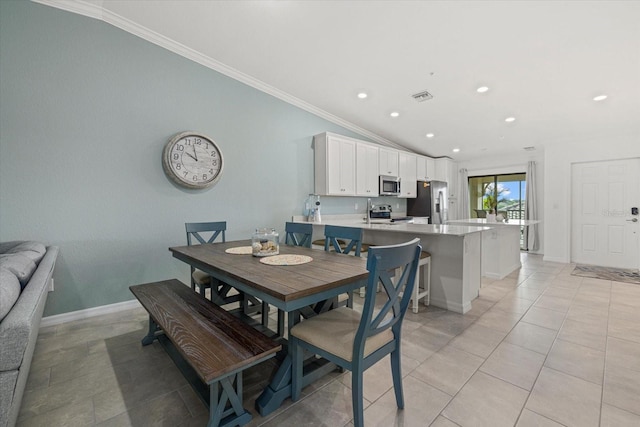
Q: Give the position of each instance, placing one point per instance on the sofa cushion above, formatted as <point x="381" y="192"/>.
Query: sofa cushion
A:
<point x="9" y="291"/>
<point x="5" y="246"/>
<point x="21" y="266"/>
<point x="33" y="250"/>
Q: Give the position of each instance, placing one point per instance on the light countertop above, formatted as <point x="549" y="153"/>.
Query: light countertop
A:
<point x="482" y="222"/>
<point x="399" y="227"/>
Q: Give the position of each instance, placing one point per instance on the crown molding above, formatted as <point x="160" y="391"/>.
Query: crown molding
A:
<point x="94" y="9"/>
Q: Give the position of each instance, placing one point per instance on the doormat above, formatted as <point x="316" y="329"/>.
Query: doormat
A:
<point x="607" y="273"/>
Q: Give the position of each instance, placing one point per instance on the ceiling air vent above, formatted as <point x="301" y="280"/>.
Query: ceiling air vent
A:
<point x="422" y="96"/>
<point x="532" y="148"/>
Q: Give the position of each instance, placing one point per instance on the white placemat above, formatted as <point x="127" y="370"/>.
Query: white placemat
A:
<point x="286" y="260"/>
<point x="239" y="250"/>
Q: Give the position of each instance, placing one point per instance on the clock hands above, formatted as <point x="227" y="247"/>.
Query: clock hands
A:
<point x="195" y="154"/>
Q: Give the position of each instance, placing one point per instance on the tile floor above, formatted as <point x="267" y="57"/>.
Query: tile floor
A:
<point x="539" y="348"/>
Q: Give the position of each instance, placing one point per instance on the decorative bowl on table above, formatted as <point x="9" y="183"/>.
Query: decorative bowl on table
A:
<point x="264" y="242"/>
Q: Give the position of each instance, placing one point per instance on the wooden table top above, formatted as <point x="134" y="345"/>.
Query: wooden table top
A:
<point x="326" y="272"/>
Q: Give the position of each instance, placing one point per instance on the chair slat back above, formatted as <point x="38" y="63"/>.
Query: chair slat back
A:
<point x="194" y="230"/>
<point x="297" y="234"/>
<point x="334" y="232"/>
<point x="382" y="263"/>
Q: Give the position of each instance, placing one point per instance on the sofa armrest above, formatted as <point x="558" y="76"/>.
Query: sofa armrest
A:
<point x="19" y="329"/>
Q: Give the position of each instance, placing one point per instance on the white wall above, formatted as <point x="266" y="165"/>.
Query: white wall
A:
<point x="557" y="170"/>
<point x="514" y="164"/>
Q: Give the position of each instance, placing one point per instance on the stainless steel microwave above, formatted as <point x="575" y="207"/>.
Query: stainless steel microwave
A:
<point x="389" y="185"/>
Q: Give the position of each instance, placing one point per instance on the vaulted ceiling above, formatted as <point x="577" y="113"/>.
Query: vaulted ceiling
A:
<point x="543" y="62"/>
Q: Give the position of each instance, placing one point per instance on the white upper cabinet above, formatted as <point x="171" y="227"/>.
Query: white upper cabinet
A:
<point x="366" y="170"/>
<point x="425" y="168"/>
<point x="446" y="170"/>
<point x="335" y="165"/>
<point x="407" y="165"/>
<point x="349" y="167"/>
<point x="388" y="162"/>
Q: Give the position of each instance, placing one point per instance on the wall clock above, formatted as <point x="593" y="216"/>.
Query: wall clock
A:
<point x="192" y="160"/>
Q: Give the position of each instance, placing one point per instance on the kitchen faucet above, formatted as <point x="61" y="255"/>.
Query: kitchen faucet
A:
<point x="369" y="207"/>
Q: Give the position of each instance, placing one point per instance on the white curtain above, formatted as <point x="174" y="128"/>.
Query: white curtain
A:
<point x="463" y="183"/>
<point x="531" y="207"/>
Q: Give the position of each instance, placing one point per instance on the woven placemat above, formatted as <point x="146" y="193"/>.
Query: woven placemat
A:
<point x="239" y="250"/>
<point x="286" y="260"/>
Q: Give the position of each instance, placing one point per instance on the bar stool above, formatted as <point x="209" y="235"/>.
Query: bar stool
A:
<point x="421" y="292"/>
<point x="320" y="243"/>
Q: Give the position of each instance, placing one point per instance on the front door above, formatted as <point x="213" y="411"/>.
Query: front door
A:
<point x="603" y="230"/>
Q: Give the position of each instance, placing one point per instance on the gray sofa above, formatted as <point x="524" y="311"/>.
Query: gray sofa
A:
<point x="25" y="272"/>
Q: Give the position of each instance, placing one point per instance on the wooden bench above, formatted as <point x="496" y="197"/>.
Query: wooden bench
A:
<point x="214" y="344"/>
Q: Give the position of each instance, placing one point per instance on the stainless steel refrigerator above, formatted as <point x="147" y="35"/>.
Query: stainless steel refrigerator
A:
<point x="431" y="201"/>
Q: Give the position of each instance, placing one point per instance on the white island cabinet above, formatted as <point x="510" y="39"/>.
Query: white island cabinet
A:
<point x="454" y="249"/>
<point x="500" y="245"/>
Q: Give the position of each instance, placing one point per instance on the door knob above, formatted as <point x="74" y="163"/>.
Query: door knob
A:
<point x="633" y="220"/>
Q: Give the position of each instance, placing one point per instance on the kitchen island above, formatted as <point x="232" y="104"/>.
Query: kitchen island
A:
<point x="455" y="253"/>
<point x="500" y="244"/>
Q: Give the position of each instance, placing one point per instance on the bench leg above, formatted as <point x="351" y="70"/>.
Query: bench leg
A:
<point x="151" y="334"/>
<point x="224" y="392"/>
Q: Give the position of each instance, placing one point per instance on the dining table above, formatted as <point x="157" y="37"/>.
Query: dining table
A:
<point x="297" y="281"/>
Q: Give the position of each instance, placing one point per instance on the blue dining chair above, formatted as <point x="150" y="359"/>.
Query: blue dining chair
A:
<point x="334" y="235"/>
<point x="203" y="233"/>
<point x="356" y="341"/>
<point x="298" y="234"/>
<point x="343" y="240"/>
<point x="208" y="232"/>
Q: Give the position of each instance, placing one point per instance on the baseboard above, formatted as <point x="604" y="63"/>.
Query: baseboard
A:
<point x="58" y="319"/>
<point x="498" y="276"/>
<point x="449" y="305"/>
<point x="555" y="259"/>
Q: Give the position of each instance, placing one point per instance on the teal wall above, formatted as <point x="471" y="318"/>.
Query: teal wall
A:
<point x="85" y="110"/>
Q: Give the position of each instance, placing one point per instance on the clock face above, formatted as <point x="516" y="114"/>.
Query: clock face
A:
<point x="192" y="160"/>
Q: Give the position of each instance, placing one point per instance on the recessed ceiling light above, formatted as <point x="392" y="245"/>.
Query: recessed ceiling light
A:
<point x="430" y="135"/>
<point x="394" y="114"/>
<point x="456" y="150"/>
<point x="362" y="95"/>
<point x="600" y="98"/>
<point x="510" y="119"/>
<point x="482" y="89"/>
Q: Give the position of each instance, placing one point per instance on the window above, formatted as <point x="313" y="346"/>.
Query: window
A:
<point x="503" y="194"/>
